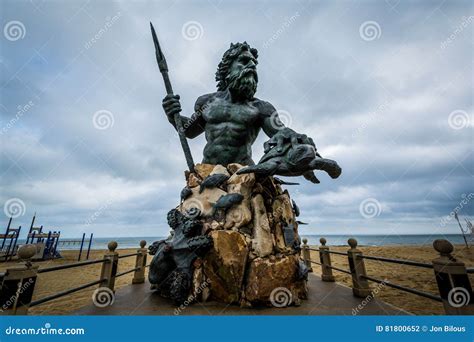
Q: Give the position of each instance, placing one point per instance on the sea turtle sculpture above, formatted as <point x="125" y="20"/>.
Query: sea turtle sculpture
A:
<point x="292" y="158"/>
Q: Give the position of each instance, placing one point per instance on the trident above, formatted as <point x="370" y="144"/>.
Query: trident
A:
<point x="160" y="58"/>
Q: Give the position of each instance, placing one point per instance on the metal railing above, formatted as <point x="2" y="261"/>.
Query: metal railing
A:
<point x="455" y="291"/>
<point x="67" y="266"/>
<point x="17" y="283"/>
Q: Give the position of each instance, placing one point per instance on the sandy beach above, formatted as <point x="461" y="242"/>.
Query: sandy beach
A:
<point x="423" y="279"/>
<point x="414" y="277"/>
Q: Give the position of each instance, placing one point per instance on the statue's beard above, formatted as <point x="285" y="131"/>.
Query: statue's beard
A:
<point x="243" y="84"/>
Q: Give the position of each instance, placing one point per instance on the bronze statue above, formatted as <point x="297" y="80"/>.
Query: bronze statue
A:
<point x="232" y="117"/>
<point x="220" y="203"/>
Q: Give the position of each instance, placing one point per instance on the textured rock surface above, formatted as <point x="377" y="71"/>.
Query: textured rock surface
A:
<point x="262" y="243"/>
<point x="251" y="254"/>
<point x="266" y="275"/>
<point x="204" y="170"/>
<point x="240" y="215"/>
<point x="202" y="201"/>
<point x="224" y="265"/>
<point x="219" y="169"/>
<point x="280" y="245"/>
<point x="282" y="210"/>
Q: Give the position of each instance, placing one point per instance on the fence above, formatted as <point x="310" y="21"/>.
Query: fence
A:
<point x="451" y="275"/>
<point x="18" y="282"/>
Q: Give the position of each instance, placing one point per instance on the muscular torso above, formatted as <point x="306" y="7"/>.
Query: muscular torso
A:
<point x="230" y="128"/>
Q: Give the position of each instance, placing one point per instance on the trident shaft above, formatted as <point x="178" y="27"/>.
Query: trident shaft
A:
<point x="160" y="58"/>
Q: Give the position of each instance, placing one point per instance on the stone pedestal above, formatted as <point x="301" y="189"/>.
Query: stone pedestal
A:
<point x="255" y="255"/>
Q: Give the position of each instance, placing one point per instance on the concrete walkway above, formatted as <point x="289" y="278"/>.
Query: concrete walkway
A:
<point x="324" y="299"/>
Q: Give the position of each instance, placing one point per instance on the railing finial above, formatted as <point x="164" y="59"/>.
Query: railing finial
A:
<point x="352" y="242"/>
<point x="142" y="244"/>
<point x="26" y="252"/>
<point x="112" y="246"/>
<point x="443" y="247"/>
<point x="323" y="241"/>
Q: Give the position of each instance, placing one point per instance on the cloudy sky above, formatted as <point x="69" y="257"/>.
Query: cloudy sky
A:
<point x="383" y="87"/>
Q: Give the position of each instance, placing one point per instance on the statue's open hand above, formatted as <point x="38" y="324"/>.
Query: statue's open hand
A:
<point x="284" y="135"/>
<point x="171" y="105"/>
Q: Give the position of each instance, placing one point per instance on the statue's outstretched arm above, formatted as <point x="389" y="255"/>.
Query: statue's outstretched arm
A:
<point x="276" y="130"/>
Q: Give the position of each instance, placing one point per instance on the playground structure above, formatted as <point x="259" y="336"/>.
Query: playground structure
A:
<point x="81" y="242"/>
<point x="8" y="249"/>
<point x="46" y="243"/>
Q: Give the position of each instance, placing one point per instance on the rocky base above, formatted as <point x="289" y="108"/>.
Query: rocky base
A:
<point x="254" y="258"/>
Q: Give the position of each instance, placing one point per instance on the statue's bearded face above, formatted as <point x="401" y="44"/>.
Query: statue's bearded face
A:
<point x="242" y="77"/>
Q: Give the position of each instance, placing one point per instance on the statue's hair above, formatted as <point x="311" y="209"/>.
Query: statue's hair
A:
<point x="229" y="56"/>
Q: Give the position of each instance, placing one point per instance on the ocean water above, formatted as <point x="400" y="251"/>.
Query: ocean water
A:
<point x="332" y="240"/>
<point x="384" y="240"/>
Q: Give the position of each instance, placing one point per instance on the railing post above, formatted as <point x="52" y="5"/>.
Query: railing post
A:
<point x="325" y="259"/>
<point x="109" y="267"/>
<point x="360" y="285"/>
<point x="140" y="263"/>
<point x="18" y="284"/>
<point x="453" y="281"/>
<point x="307" y="255"/>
